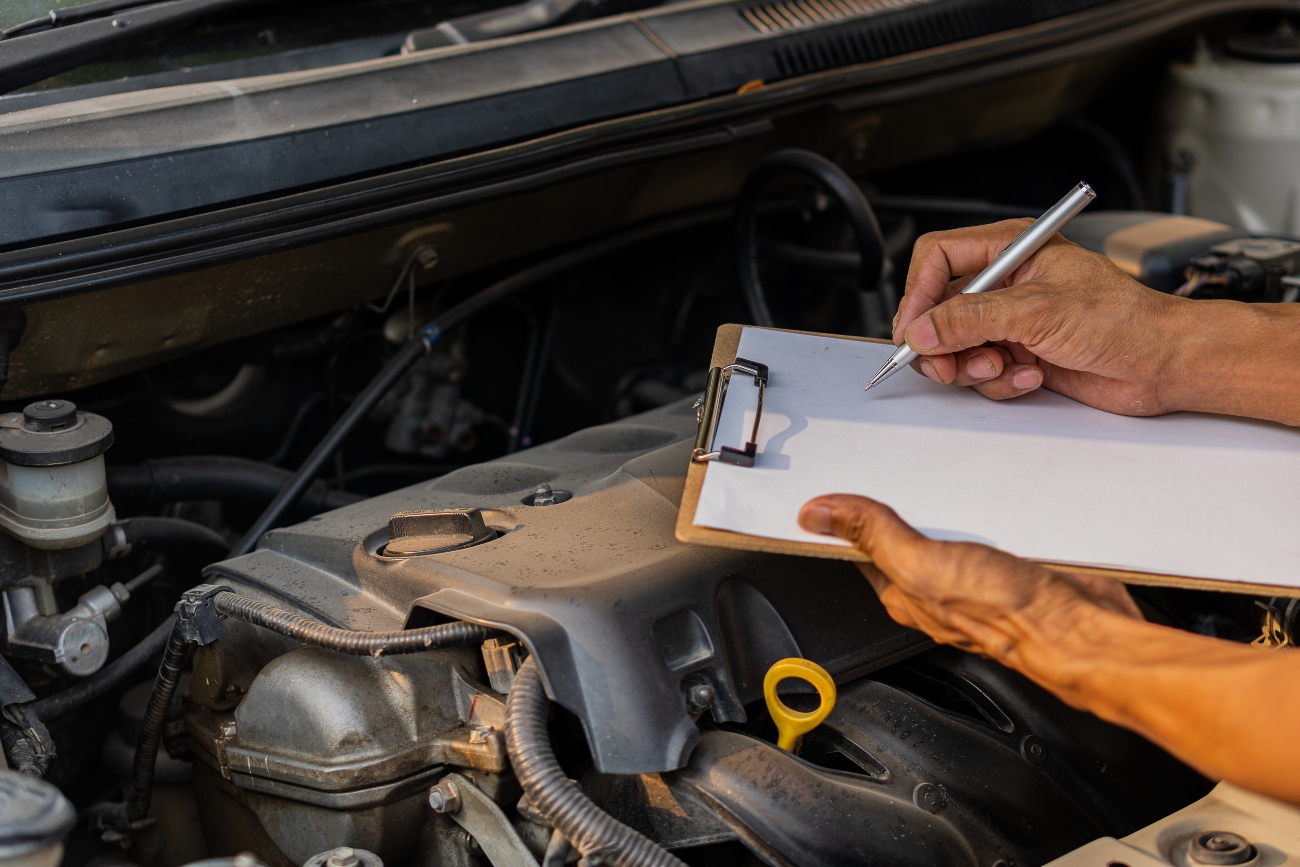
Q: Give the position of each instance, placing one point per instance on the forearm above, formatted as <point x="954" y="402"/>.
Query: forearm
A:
<point x="1237" y="359"/>
<point x="1224" y="708"/>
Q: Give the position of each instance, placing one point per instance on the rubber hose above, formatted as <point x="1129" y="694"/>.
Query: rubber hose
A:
<point x="151" y="728"/>
<point x="593" y="832"/>
<point x="203" y="477"/>
<point x="107" y="677"/>
<point x="429" y="334"/>
<point x="348" y="641"/>
<point x="866" y="230"/>
<point x="172" y="535"/>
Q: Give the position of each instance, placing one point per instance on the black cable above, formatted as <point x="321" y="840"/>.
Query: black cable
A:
<point x="393" y="370"/>
<point x="1116" y="155"/>
<point x="175" y="655"/>
<point x="525" y="380"/>
<point x="107" y="677"/>
<point x="598" y="836"/>
<point x="866" y="231"/>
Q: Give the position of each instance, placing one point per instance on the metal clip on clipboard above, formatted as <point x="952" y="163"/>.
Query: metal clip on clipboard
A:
<point x="709" y="410"/>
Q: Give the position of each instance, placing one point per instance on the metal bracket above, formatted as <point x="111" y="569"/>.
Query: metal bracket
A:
<point x="196" y="614"/>
<point x="709" y="410"/>
<point x="478" y="814"/>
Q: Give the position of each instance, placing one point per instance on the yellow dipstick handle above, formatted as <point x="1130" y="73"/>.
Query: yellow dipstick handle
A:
<point x="792" y="724"/>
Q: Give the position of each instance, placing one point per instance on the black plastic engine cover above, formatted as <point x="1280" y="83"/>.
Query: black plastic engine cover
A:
<point x="621" y="616"/>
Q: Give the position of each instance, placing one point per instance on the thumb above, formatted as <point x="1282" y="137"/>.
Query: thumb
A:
<point x="1018" y="314"/>
<point x="872" y="527"/>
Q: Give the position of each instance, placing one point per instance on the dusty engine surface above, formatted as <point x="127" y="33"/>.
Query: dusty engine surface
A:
<point x="658" y="651"/>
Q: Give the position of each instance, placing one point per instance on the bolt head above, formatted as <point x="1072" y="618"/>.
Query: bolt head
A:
<point x="1033" y="749"/>
<point x="929" y="797"/>
<point x="343" y="856"/>
<point x="444" y="797"/>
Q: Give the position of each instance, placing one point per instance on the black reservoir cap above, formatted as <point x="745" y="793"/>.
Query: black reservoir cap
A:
<point x="51" y="433"/>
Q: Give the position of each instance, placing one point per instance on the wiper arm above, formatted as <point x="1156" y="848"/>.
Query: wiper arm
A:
<point x="66" y="42"/>
<point x="73" y="15"/>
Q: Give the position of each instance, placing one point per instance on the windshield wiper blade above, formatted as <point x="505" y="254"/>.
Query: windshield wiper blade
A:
<point x="72" y="15"/>
<point x="108" y="25"/>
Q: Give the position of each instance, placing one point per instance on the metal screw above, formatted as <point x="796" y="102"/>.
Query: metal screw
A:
<point x="427" y="256"/>
<point x="343" y="856"/>
<point x="480" y="734"/>
<point x="444" y="797"/>
<point x="1221" y="847"/>
<point x="120" y="22"/>
<point x="543" y="495"/>
<point x="1033" y="749"/>
<point x="928" y="797"/>
<point x="699" y="697"/>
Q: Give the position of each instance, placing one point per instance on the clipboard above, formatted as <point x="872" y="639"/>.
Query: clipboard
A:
<point x="727" y="371"/>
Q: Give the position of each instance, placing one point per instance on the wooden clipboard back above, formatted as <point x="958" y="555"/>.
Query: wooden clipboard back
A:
<point x="725" y="347"/>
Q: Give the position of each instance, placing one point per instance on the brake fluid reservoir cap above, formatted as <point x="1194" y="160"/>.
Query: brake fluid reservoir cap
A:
<point x="411" y="534"/>
<point x="51" y="433"/>
<point x="34" y="815"/>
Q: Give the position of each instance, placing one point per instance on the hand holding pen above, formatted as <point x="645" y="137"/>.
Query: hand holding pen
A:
<point x="1005" y="264"/>
<point x="1073" y="322"/>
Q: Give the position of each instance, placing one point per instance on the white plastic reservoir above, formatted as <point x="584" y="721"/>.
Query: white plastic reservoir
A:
<point x="1239" y="121"/>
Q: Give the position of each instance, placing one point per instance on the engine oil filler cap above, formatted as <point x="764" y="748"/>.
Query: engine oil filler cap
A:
<point x="411" y="534"/>
<point x="792" y="725"/>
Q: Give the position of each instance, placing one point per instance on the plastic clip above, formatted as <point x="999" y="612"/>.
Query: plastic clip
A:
<point x="196" y="614"/>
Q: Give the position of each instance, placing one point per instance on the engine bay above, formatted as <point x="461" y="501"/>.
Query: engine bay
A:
<point x="309" y="486"/>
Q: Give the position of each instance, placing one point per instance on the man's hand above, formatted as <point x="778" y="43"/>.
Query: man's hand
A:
<point x="972" y="596"/>
<point x="1212" y="703"/>
<point x="1072" y="321"/>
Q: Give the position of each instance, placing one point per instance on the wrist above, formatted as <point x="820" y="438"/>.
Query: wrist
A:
<point x="1232" y="358"/>
<point x="1067" y="646"/>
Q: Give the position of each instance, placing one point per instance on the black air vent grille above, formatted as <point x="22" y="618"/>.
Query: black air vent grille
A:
<point x="770" y="17"/>
<point x="891" y="27"/>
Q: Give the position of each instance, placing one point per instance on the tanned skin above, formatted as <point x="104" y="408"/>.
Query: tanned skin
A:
<point x="1069" y="320"/>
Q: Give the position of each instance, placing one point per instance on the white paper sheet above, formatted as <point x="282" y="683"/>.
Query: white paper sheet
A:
<point x="1040" y="476"/>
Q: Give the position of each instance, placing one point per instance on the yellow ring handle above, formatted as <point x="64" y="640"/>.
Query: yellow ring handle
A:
<point x="792" y="724"/>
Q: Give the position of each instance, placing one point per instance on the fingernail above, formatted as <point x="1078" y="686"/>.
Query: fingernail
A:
<point x="816" y="519"/>
<point x="1027" y="378"/>
<point x="921" y="334"/>
<point x="979" y="367"/>
<point x="927" y="367"/>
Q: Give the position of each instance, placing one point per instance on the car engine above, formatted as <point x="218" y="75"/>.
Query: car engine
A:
<point x="338" y="479"/>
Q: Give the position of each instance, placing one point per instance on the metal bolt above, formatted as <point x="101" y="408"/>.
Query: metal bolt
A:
<point x="1033" y="749"/>
<point x="1221" y="847"/>
<point x="929" y="797"/>
<point x="543" y="495"/>
<point x="480" y="734"/>
<point x="343" y="856"/>
<point x="120" y="22"/>
<point x="699" y="697"/>
<point x="444" y="797"/>
<point x="427" y="256"/>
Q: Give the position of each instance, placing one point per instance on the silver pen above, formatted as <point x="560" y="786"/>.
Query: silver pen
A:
<point x="1015" y="255"/>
